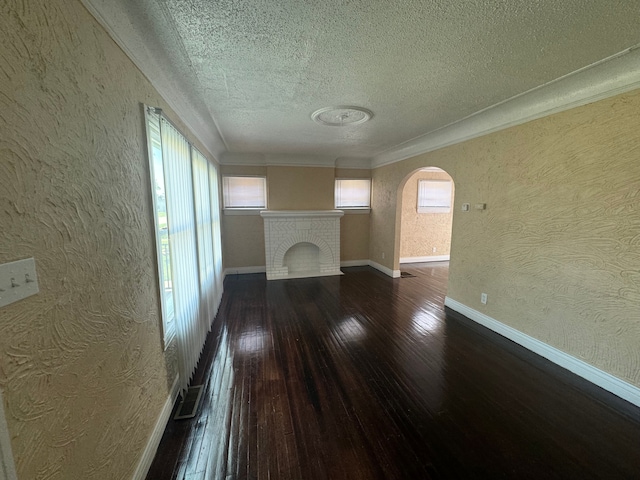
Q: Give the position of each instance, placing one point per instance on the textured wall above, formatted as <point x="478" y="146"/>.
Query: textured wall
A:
<point x="558" y="248"/>
<point x="81" y="364"/>
<point x="422" y="232"/>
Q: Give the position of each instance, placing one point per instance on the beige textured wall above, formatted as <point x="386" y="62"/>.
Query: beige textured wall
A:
<point x="301" y="188"/>
<point x="422" y="232"/>
<point x="354" y="237"/>
<point x="557" y="250"/>
<point x="354" y="228"/>
<point x="81" y="364"/>
<point x="292" y="188"/>
<point x="243" y="241"/>
<point x="242" y="235"/>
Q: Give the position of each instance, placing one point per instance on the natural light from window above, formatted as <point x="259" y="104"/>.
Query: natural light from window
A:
<point x="353" y="193"/>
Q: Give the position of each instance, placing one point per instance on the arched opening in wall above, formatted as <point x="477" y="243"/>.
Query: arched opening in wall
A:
<point x="303" y="257"/>
<point x="426" y="216"/>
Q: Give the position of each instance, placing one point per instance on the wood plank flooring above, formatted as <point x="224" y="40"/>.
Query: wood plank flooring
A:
<point x="366" y="377"/>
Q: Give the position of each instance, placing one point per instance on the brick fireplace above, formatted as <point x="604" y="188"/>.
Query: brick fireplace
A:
<point x="302" y="243"/>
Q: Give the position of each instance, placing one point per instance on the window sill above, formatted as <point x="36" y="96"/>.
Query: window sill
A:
<point x="434" y="209"/>
<point x="356" y="211"/>
<point x="242" y="211"/>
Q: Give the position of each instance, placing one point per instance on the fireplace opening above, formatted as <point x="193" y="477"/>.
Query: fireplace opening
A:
<point x="303" y="257"/>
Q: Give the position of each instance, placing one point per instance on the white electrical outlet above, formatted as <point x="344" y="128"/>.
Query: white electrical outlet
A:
<point x="383" y="255"/>
<point x="483" y="298"/>
<point x="18" y="280"/>
<point x="434" y="249"/>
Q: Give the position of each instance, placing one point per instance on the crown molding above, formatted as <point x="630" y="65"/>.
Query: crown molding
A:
<point x="155" y="66"/>
<point x="353" y="163"/>
<point x="292" y="160"/>
<point x="614" y="75"/>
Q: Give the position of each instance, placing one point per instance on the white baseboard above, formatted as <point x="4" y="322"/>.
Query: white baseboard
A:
<point x="154" y="440"/>
<point x="432" y="258"/>
<point x="243" y="270"/>
<point x="596" y="376"/>
<point x="385" y="270"/>
<point x="355" y="263"/>
<point x="346" y="263"/>
<point x="7" y="466"/>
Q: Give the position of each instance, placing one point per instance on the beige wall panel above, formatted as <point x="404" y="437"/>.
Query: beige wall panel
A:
<point x="300" y="188"/>
<point x="557" y="249"/>
<point x="353" y="173"/>
<point x="243" y="170"/>
<point x="354" y="237"/>
<point x="243" y="241"/>
<point x="422" y="232"/>
<point x="243" y="235"/>
<point x="354" y="228"/>
<point x="81" y="364"/>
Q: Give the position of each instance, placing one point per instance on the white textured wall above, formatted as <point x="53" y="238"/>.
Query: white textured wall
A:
<point x="81" y="364"/>
<point x="558" y="248"/>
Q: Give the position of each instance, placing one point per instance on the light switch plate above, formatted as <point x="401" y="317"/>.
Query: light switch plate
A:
<point x="18" y="280"/>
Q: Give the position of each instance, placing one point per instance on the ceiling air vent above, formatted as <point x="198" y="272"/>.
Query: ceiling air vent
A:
<point x="341" y="116"/>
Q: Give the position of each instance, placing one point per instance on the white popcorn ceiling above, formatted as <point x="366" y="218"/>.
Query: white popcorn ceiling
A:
<point x="254" y="71"/>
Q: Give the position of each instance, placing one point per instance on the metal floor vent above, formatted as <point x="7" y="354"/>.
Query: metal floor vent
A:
<point x="406" y="275"/>
<point x="189" y="405"/>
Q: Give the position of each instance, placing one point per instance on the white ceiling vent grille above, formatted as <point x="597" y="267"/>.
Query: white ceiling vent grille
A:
<point x="341" y="116"/>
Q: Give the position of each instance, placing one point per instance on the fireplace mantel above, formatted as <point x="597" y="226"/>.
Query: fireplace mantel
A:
<point x="302" y="243"/>
<point x="300" y="213"/>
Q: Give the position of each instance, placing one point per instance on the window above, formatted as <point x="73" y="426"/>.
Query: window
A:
<point x="244" y="192"/>
<point x="186" y="216"/>
<point x="352" y="193"/>
<point x="434" y="196"/>
<point x="161" y="226"/>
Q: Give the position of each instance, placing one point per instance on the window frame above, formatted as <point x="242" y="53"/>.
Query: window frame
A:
<point x="354" y="209"/>
<point x="168" y="317"/>
<point x="434" y="208"/>
<point x="230" y="210"/>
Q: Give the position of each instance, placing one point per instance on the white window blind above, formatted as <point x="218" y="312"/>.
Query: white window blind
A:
<point x="202" y="202"/>
<point x="214" y="194"/>
<point x="353" y="193"/>
<point x="182" y="238"/>
<point x="434" y="196"/>
<point x="245" y="192"/>
<point x="191" y="217"/>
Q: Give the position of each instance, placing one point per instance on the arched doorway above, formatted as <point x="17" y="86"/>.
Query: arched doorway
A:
<point x="425" y="206"/>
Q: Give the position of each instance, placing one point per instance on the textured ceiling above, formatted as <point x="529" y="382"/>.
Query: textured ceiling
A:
<point x="256" y="70"/>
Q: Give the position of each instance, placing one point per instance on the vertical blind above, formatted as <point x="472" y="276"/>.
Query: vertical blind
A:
<point x="192" y="216"/>
<point x="214" y="194"/>
<point x="202" y="201"/>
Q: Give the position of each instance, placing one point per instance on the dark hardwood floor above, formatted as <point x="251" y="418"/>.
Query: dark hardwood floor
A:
<point x="366" y="377"/>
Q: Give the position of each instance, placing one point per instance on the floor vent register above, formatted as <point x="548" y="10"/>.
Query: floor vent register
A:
<point x="189" y="405"/>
